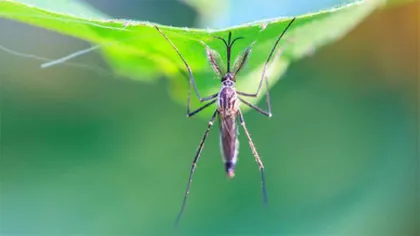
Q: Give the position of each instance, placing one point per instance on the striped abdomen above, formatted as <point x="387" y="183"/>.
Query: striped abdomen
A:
<point x="228" y="109"/>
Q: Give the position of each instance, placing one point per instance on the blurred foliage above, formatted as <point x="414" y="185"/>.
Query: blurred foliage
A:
<point x="88" y="154"/>
<point x="136" y="50"/>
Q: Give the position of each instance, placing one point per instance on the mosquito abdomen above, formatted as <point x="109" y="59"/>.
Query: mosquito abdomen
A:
<point x="228" y="109"/>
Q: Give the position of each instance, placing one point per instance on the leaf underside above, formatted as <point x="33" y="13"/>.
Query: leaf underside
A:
<point x="136" y="50"/>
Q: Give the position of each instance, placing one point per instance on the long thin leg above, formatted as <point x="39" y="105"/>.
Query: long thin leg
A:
<point x="204" y="99"/>
<point x="191" y="80"/>
<point x="193" y="166"/>
<point x="267" y="98"/>
<point x="257" y="157"/>
<point x="255" y="107"/>
<point x="201" y="108"/>
<point x="263" y="76"/>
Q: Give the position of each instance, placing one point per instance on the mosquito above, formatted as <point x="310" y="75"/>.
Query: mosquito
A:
<point x="228" y="112"/>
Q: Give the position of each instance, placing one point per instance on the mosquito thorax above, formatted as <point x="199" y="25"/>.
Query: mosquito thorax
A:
<point x="227" y="104"/>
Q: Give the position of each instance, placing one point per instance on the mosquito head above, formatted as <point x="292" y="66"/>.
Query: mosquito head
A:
<point x="229" y="43"/>
<point x="228" y="78"/>
<point x="230" y="169"/>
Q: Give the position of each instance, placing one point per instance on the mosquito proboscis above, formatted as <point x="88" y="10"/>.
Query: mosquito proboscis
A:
<point x="228" y="112"/>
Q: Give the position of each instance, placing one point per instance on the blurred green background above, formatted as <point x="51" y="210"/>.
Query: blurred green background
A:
<point x="86" y="153"/>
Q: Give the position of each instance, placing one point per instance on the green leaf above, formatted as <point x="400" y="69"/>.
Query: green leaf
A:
<point x="136" y="50"/>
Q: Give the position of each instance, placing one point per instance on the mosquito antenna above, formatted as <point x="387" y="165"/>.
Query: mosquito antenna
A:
<point x="229" y="48"/>
<point x="228" y="51"/>
<point x="228" y="45"/>
<point x="235" y="40"/>
<point x="228" y="59"/>
<point x="224" y="41"/>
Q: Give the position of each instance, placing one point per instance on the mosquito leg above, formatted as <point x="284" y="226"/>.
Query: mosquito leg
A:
<point x="192" y="81"/>
<point x="257" y="157"/>
<point x="256" y="108"/>
<point x="263" y="76"/>
<point x="267" y="98"/>
<point x="193" y="166"/>
<point x="202" y="100"/>
<point x="200" y="109"/>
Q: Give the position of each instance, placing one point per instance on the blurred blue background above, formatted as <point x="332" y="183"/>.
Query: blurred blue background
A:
<point x="85" y="153"/>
